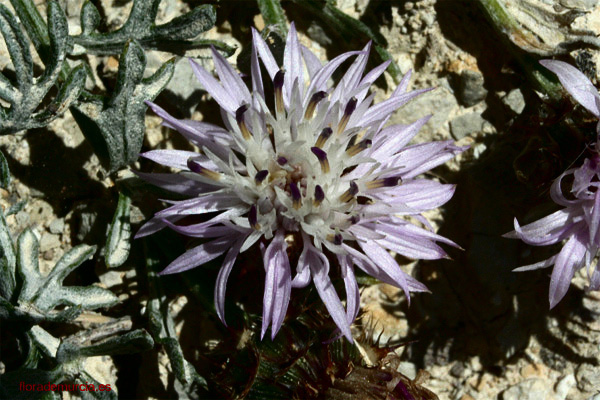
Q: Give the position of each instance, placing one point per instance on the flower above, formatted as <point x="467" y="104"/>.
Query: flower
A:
<point x="319" y="171"/>
<point x="579" y="222"/>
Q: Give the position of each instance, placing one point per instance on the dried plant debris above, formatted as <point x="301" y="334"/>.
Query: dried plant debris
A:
<point x="540" y="27"/>
<point x="26" y="93"/>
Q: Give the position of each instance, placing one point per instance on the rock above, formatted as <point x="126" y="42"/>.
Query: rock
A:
<point x="185" y="86"/>
<point x="588" y="377"/>
<point x="408" y="369"/>
<point x="471" y="90"/>
<point x="530" y="389"/>
<point x="57" y="226"/>
<point x="465" y="125"/>
<point x="111" y="278"/>
<point x="515" y="100"/>
<point x="438" y="103"/>
<point x="563" y="386"/>
<point x="49" y="241"/>
<point x="582" y="5"/>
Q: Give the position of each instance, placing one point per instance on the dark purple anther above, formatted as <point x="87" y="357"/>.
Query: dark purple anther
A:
<point x="391" y="181"/>
<point x="194" y="166"/>
<point x="261" y="175"/>
<point x="353" y="188"/>
<point x="296" y="196"/>
<point x="321" y="155"/>
<point x="278" y="80"/>
<point x="282" y="160"/>
<point x="350" y="107"/>
<point x="319" y="194"/>
<point x="354" y="219"/>
<point x="239" y="113"/>
<point x="253" y="217"/>
<point x="337" y="239"/>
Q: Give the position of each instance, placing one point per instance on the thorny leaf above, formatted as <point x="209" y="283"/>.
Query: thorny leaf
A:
<point x="119" y="234"/>
<point x="27" y="94"/>
<point x="140" y="26"/>
<point x="115" y="124"/>
<point x="162" y="326"/>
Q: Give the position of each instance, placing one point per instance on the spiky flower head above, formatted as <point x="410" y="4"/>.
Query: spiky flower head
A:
<point x="579" y="222"/>
<point x="318" y="170"/>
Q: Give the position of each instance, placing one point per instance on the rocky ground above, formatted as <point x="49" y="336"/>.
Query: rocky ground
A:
<point x="484" y="332"/>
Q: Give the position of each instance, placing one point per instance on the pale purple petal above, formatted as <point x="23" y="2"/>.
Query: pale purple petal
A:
<point x="214" y="88"/>
<point x="319" y="81"/>
<point x="201" y="254"/>
<point x="538" y="265"/>
<point x="392" y="139"/>
<point x="352" y="292"/>
<point x="388" y="106"/>
<point x="221" y="284"/>
<point x="556" y="192"/>
<point x="576" y="83"/>
<point x="292" y="62"/>
<point x="567" y="262"/>
<point x="200" y="205"/>
<point x="313" y="64"/>
<point x="176" y="183"/>
<point x="265" y="53"/>
<point x="320" y="272"/>
<point x="278" y="284"/>
<point x="419" y="194"/>
<point x="548" y="230"/>
<point x="178" y="158"/>
<point x="351" y="78"/>
<point x="230" y="79"/>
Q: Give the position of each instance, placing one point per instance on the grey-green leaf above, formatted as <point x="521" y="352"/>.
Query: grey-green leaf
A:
<point x="4" y="172"/>
<point x="273" y="14"/>
<point x="140" y="26"/>
<point x="115" y="125"/>
<point x="8" y="261"/>
<point x="119" y="234"/>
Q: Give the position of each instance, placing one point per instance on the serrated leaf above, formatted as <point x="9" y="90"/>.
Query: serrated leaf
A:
<point x="26" y="94"/>
<point x="8" y="261"/>
<point x="4" y="172"/>
<point x="118" y="241"/>
<point x="273" y="14"/>
<point x="349" y="28"/>
<point x="162" y="326"/>
<point x="115" y="125"/>
<point x="140" y="26"/>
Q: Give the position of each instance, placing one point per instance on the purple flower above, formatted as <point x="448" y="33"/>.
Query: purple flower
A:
<point x="578" y="223"/>
<point x="319" y="171"/>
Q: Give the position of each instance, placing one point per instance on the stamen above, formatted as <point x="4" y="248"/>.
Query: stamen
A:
<point x="194" y="166"/>
<point x="355" y="219"/>
<point x="383" y="182"/>
<point x="350" y="107"/>
<point x="253" y="218"/>
<point x="296" y="196"/>
<point x="358" y="147"/>
<point x="278" y="86"/>
<point x="239" y="117"/>
<point x="282" y="161"/>
<point x="336" y="239"/>
<point x="322" y="156"/>
<point x="349" y="194"/>
<point x="319" y="196"/>
<point x="325" y="134"/>
<point x="260" y="176"/>
<point x="312" y="104"/>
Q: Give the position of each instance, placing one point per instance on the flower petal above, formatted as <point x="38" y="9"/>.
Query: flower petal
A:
<point x="278" y="284"/>
<point x="576" y="83"/>
<point x="567" y="261"/>
<point x="214" y="88"/>
<point x="201" y="254"/>
<point x="221" y="284"/>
